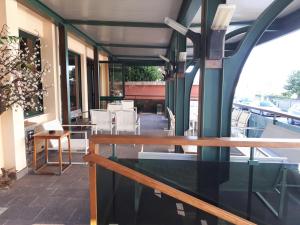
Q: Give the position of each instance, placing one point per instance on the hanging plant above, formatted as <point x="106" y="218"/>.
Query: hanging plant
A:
<point x="21" y="74"/>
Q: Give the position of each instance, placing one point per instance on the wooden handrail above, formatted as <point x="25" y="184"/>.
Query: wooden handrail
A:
<point x="166" y="189"/>
<point x="191" y="140"/>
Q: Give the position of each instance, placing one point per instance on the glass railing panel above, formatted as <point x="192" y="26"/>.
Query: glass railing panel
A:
<point x="126" y="202"/>
<point x="261" y="192"/>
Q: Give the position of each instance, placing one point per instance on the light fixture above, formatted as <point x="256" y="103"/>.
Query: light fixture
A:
<point x="190" y="69"/>
<point x="164" y="58"/>
<point x="218" y="29"/>
<point x="223" y="16"/>
<point x="176" y="26"/>
<point x="181" y="56"/>
<point x="195" y="37"/>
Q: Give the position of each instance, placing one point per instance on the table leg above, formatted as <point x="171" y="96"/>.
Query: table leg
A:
<point x="46" y="149"/>
<point x="69" y="147"/>
<point x="59" y="156"/>
<point x="34" y="154"/>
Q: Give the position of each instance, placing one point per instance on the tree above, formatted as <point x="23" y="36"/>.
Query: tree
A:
<point x="293" y="84"/>
<point x="143" y="73"/>
<point x="20" y="74"/>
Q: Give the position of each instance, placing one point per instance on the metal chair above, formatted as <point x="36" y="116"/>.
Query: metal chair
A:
<point x="127" y="121"/>
<point x="102" y="121"/>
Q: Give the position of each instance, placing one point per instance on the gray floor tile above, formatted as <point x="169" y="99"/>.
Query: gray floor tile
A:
<point x="22" y="213"/>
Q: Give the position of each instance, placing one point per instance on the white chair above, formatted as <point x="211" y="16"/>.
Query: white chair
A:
<point x="114" y="107"/>
<point x="77" y="145"/>
<point x="127" y="104"/>
<point x="102" y="121"/>
<point x="127" y="121"/>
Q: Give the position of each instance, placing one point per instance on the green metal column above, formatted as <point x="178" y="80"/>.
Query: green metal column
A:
<point x="167" y="83"/>
<point x="171" y="94"/>
<point x="180" y="89"/>
<point x="217" y="86"/>
<point x="210" y="93"/>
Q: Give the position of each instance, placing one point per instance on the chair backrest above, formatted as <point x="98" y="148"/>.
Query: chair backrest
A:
<point x="76" y="114"/>
<point x="102" y="119"/>
<point x="235" y="115"/>
<point x="53" y="125"/>
<point x="126" y="120"/>
<point x="172" y="122"/>
<point x="128" y="104"/>
<point x="114" y="106"/>
<point x="243" y="119"/>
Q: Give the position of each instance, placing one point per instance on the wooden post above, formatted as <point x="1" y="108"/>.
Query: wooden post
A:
<point x="93" y="187"/>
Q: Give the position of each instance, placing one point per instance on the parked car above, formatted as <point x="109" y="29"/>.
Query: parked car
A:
<point x="295" y="111"/>
<point x="246" y="102"/>
<point x="264" y="105"/>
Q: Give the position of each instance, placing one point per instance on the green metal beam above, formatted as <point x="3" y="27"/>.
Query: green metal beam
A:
<point x="234" y="64"/>
<point x="57" y="19"/>
<point x="283" y="25"/>
<point x="117" y="23"/>
<point x="186" y="14"/>
<point x="122" y="23"/>
<point x="131" y="46"/>
<point x="180" y="90"/>
<point x="139" y="56"/>
<point x="237" y="32"/>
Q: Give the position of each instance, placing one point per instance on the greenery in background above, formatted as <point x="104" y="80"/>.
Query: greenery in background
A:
<point x="293" y="85"/>
<point x="143" y="73"/>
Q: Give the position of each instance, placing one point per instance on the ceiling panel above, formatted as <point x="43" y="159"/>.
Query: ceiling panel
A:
<point x="250" y="10"/>
<point x="116" y="10"/>
<point x="137" y="51"/>
<point x="128" y="35"/>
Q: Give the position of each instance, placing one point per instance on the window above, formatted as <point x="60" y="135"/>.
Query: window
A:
<point x="33" y="44"/>
<point x="74" y="81"/>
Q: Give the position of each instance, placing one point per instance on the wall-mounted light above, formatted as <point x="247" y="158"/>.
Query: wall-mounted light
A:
<point x="181" y="57"/>
<point x="223" y="16"/>
<point x="164" y="58"/>
<point x="195" y="37"/>
<point x="218" y="29"/>
<point x="176" y="26"/>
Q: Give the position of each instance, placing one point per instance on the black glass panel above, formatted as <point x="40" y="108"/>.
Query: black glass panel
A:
<point x="265" y="193"/>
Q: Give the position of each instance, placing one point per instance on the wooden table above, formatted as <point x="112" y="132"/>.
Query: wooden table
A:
<point x="58" y="135"/>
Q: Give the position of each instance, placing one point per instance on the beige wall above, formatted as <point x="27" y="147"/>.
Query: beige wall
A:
<point x="12" y="140"/>
<point x="104" y="78"/>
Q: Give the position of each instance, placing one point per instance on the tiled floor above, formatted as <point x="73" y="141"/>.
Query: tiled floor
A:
<point x="43" y="199"/>
<point x="63" y="200"/>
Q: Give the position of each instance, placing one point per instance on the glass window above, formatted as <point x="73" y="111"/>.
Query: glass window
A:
<point x="32" y="43"/>
<point x="74" y="81"/>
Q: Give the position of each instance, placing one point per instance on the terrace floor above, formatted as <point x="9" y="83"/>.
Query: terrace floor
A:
<point x="50" y="199"/>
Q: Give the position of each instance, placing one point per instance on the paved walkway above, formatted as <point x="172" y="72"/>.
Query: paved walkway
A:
<point x="63" y="200"/>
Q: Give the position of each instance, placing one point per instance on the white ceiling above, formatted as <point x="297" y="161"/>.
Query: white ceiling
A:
<point x="128" y="35"/>
<point x="116" y="10"/>
<point x="137" y="51"/>
<point x="152" y="11"/>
